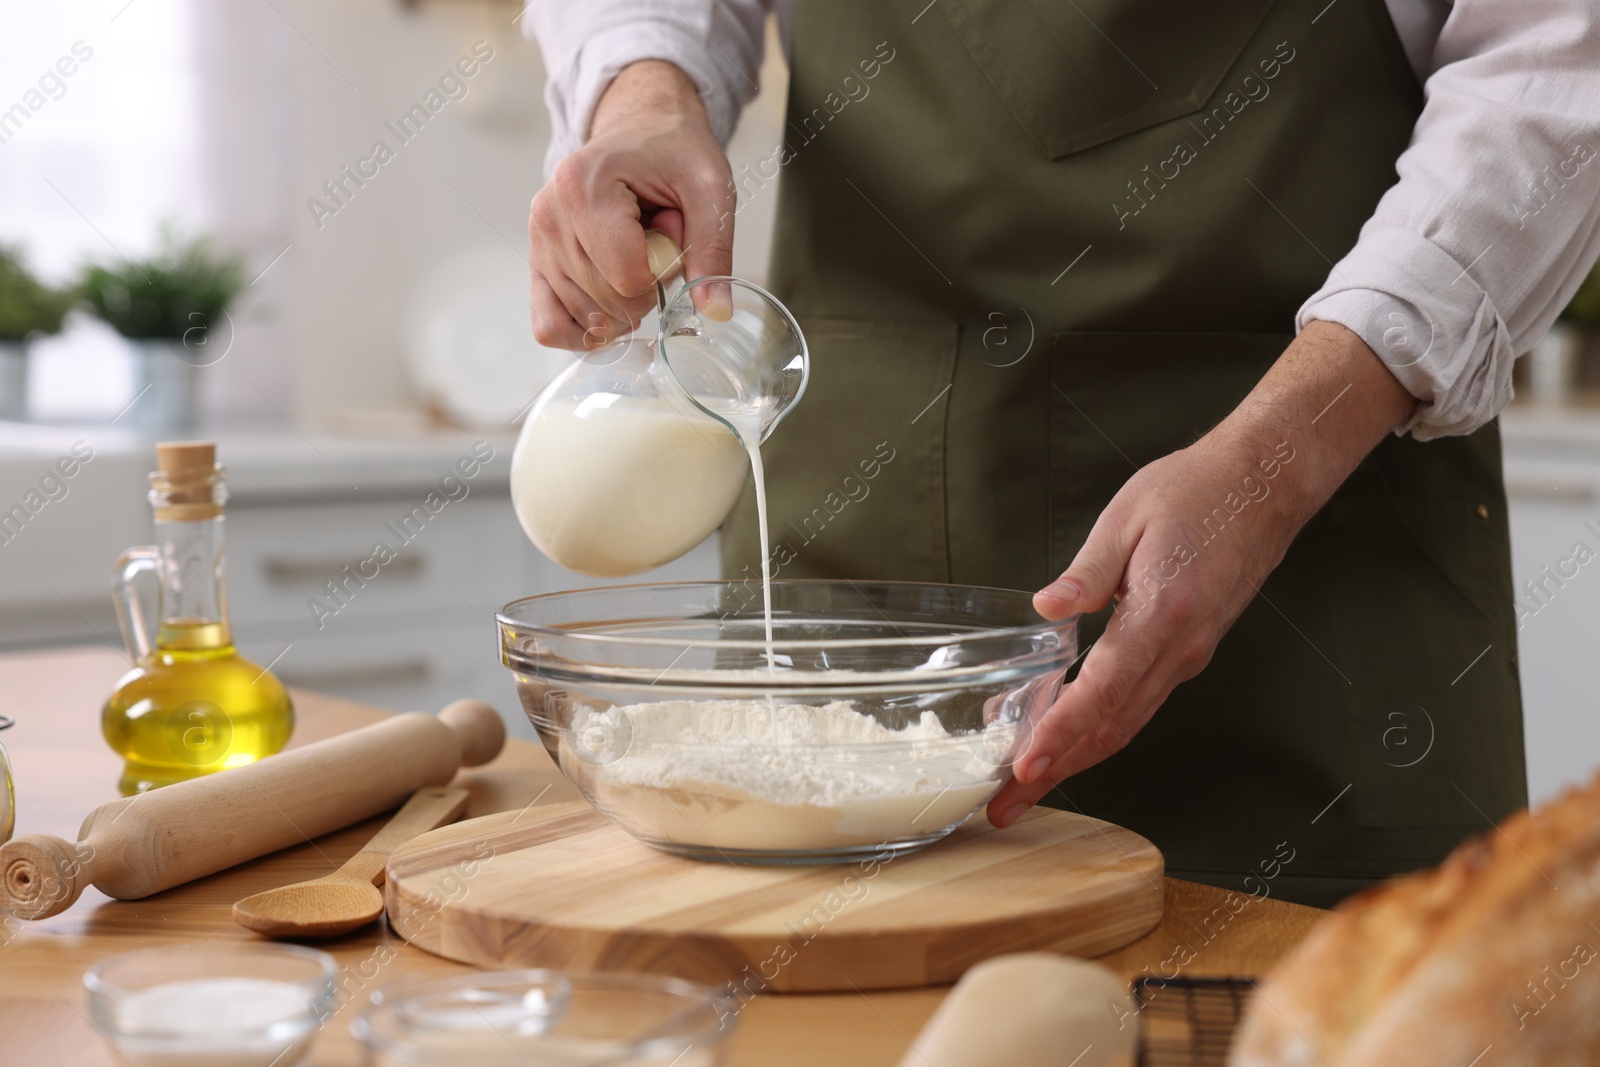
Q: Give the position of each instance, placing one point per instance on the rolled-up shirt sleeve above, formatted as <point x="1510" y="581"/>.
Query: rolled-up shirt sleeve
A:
<point x="1495" y="219"/>
<point x="717" y="43"/>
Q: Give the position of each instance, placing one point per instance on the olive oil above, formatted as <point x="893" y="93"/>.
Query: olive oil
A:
<point x="191" y="705"/>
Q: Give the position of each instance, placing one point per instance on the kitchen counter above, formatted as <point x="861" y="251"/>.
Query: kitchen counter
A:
<point x="64" y="770"/>
<point x="264" y="460"/>
<point x="1572" y="427"/>
<point x="300" y="506"/>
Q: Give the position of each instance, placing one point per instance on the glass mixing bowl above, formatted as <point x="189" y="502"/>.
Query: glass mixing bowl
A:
<point x="880" y="718"/>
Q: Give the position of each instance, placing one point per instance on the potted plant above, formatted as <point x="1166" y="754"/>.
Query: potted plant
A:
<point x="173" y="309"/>
<point x="28" y="309"/>
<point x="1584" y="309"/>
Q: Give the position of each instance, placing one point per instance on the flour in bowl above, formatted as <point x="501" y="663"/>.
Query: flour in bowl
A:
<point x="746" y="775"/>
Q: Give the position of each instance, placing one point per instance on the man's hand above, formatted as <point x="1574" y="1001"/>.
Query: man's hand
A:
<point x="1323" y="406"/>
<point x="650" y="161"/>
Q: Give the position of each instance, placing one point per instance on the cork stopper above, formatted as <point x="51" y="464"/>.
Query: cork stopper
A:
<point x="186" y="460"/>
<point x="187" y="483"/>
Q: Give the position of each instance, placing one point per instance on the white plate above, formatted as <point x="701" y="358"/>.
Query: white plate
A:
<point x="468" y="341"/>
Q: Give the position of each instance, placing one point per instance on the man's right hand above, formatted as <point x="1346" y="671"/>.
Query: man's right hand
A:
<point x="651" y="161"/>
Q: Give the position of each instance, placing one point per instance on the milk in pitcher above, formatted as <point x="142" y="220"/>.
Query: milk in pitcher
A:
<point x="611" y="485"/>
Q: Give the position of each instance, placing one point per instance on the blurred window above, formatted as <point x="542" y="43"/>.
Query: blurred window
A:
<point x="92" y="161"/>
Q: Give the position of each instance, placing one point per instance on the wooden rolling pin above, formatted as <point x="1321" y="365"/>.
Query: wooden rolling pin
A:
<point x="143" y="844"/>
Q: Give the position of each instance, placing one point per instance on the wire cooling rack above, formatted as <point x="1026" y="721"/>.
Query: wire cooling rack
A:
<point x="1188" y="1022"/>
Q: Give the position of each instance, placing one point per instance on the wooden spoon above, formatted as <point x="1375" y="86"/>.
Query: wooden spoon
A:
<point x="348" y="898"/>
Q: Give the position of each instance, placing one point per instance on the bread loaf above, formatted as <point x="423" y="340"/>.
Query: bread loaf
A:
<point x="1496" y="949"/>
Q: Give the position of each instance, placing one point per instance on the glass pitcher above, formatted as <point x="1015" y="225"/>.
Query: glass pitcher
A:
<point x="638" y="451"/>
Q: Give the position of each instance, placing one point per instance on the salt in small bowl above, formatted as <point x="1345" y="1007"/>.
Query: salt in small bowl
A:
<point x="228" y="1005"/>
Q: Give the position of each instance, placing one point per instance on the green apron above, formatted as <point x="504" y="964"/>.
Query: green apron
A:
<point x="1035" y="245"/>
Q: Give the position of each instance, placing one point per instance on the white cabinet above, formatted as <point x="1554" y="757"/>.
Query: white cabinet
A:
<point x="415" y="632"/>
<point x="1554" y="494"/>
<point x="408" y="627"/>
<point x="411" y="630"/>
<point x="327" y="564"/>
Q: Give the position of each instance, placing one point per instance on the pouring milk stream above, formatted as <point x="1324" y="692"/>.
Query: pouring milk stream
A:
<point x="638" y="451"/>
<point x="629" y="459"/>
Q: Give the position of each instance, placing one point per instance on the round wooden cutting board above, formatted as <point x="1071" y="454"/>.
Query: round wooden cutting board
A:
<point x="562" y="886"/>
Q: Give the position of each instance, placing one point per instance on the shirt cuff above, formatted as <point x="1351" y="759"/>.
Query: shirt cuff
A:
<point x="572" y="96"/>
<point x="1430" y="322"/>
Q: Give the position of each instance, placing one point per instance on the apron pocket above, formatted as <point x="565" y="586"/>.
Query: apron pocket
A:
<point x="1079" y="74"/>
<point x="856" y="472"/>
<point x="1427" y="638"/>
<point x="1463" y="547"/>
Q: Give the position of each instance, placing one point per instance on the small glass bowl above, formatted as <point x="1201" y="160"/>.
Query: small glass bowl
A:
<point x="8" y="789"/>
<point x="228" y="1005"/>
<point x="547" y="1019"/>
<point x="880" y="717"/>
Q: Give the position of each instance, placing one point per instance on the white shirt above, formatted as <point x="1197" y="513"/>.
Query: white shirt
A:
<point x="1465" y="263"/>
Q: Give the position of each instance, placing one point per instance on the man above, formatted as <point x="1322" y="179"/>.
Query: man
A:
<point x="1132" y="291"/>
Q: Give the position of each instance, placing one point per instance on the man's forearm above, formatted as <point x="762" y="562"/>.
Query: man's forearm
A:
<point x="650" y="86"/>
<point x="1332" y="399"/>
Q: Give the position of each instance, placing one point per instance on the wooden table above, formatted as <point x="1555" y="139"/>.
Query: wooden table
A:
<point x="64" y="770"/>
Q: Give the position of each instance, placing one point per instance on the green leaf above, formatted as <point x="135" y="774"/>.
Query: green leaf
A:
<point x="1584" y="310"/>
<point x="183" y="287"/>
<point x="27" y="305"/>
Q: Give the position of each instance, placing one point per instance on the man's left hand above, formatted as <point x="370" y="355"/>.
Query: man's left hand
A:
<point x="1178" y="585"/>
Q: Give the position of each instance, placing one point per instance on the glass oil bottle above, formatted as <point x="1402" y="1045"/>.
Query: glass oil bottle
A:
<point x="191" y="705"/>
